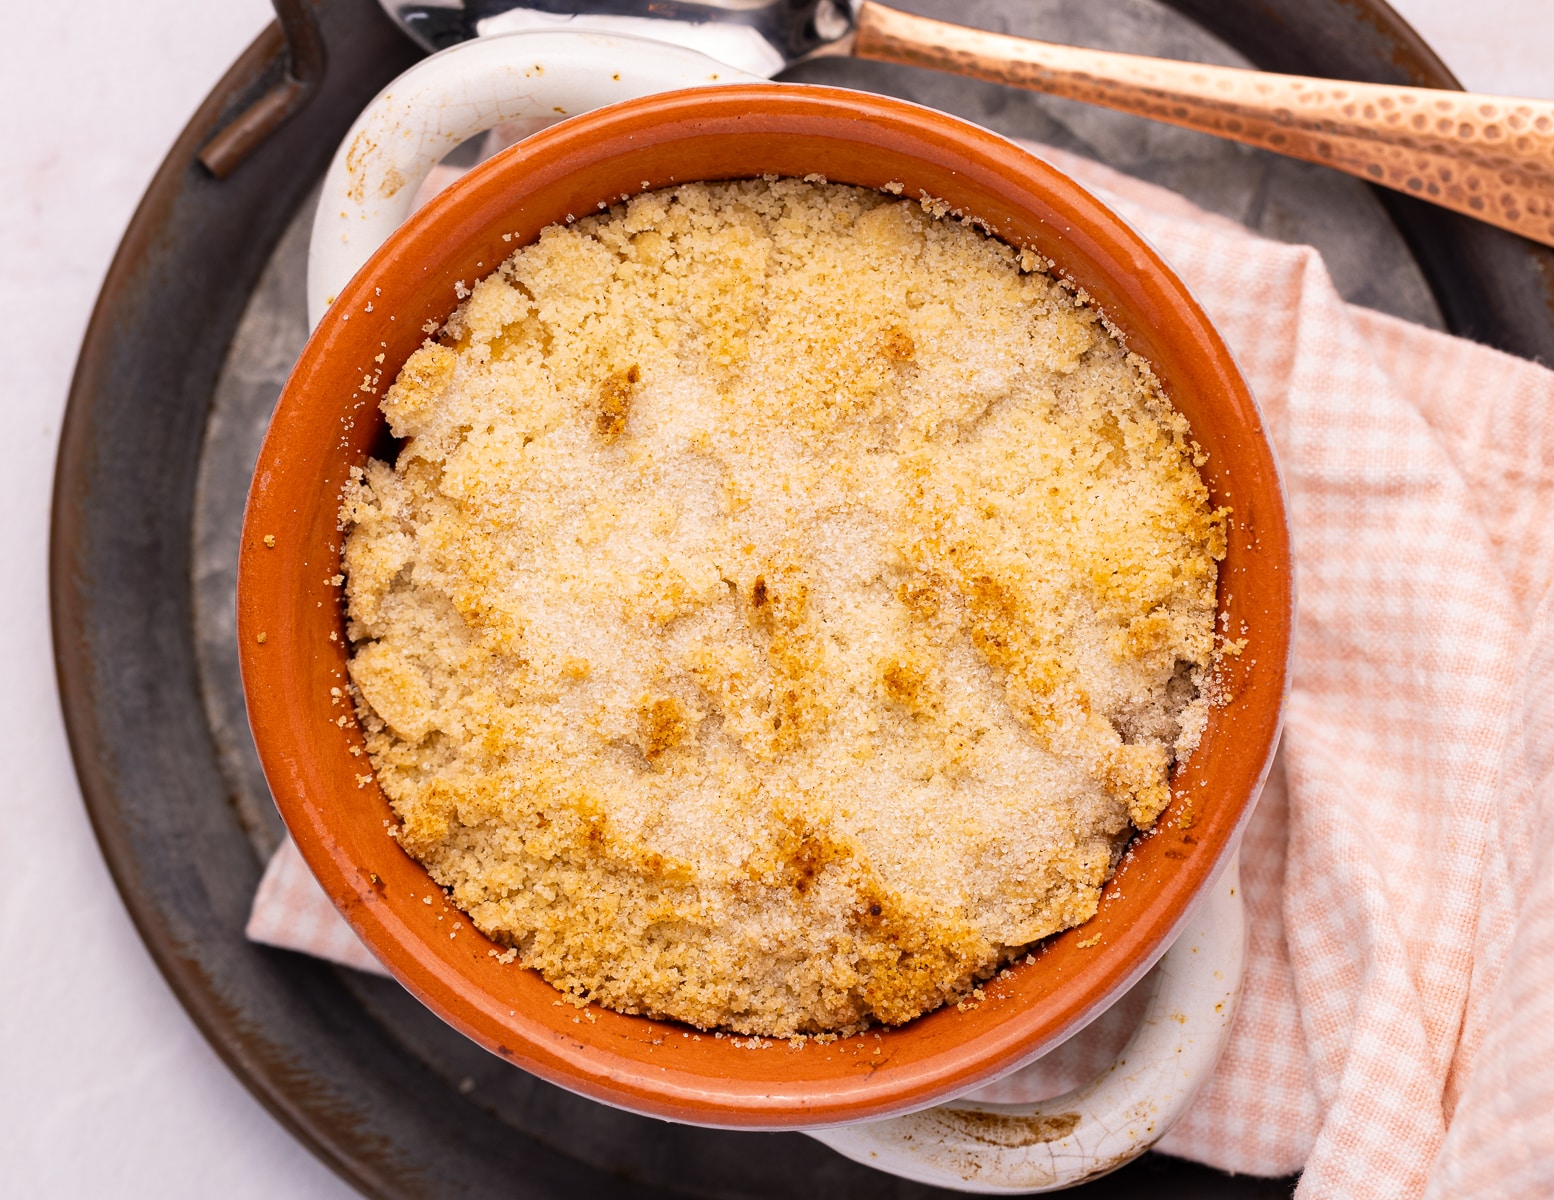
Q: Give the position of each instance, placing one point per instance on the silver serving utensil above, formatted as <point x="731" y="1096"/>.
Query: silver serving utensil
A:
<point x="759" y="36"/>
<point x="1491" y="157"/>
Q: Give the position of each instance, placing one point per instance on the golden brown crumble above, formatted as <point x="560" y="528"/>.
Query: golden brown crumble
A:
<point x="615" y="400"/>
<point x="785" y="603"/>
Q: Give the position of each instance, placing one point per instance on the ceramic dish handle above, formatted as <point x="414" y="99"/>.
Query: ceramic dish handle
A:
<point x="1057" y="1143"/>
<point x="458" y="94"/>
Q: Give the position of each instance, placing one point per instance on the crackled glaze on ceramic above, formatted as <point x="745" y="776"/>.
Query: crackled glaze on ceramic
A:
<point x="459" y="94"/>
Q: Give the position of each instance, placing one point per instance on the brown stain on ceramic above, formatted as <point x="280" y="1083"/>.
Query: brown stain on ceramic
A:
<point x="1002" y="1129"/>
<point x="951" y="1139"/>
<point x="318" y="435"/>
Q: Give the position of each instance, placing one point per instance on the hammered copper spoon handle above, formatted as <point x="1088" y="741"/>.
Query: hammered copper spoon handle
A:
<point x="1491" y="157"/>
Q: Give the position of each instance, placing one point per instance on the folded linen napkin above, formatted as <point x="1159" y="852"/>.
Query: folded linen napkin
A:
<point x="1395" y="1036"/>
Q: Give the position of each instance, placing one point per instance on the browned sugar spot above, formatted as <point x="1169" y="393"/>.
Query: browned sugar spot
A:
<point x="808" y="852"/>
<point x="615" y="395"/>
<point x="897" y="345"/>
<point x="921" y="597"/>
<point x="905" y="679"/>
<point x="902" y="681"/>
<point x="662" y="724"/>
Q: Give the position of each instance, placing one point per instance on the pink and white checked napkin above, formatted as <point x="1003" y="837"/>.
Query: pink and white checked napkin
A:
<point x="1396" y="1032"/>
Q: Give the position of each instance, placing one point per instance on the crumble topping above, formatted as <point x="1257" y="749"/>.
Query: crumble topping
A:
<point x="785" y="604"/>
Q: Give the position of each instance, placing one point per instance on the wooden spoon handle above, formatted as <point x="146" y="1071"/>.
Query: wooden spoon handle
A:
<point x="1491" y="157"/>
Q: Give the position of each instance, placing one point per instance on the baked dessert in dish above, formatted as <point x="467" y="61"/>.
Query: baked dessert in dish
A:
<point x="785" y="604"/>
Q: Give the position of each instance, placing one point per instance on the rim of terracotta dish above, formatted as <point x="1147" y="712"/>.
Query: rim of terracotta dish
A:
<point x="292" y="631"/>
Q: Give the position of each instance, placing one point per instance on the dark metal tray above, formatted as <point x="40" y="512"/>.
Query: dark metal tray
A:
<point x="198" y="322"/>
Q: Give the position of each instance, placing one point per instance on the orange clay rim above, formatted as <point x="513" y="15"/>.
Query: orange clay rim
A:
<point x="291" y="625"/>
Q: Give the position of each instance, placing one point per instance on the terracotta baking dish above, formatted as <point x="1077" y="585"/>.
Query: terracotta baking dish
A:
<point x="291" y="624"/>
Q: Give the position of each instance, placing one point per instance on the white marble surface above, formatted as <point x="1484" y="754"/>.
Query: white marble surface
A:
<point x="106" y="1089"/>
